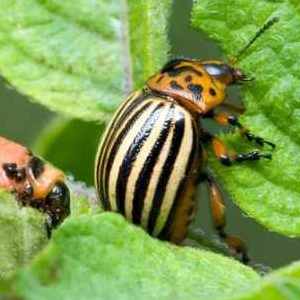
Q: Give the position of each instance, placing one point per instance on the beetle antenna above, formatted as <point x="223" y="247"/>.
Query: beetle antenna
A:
<point x="262" y="30"/>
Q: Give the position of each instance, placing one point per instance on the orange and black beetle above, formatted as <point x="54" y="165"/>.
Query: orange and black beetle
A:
<point x="152" y="156"/>
<point x="36" y="183"/>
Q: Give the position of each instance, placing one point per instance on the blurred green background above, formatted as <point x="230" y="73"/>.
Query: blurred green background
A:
<point x="25" y="122"/>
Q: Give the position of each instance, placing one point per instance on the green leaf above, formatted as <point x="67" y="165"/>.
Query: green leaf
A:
<point x="23" y="231"/>
<point x="104" y="257"/>
<point x="22" y="234"/>
<point x="78" y="57"/>
<point x="283" y="284"/>
<point x="266" y="191"/>
<point x="149" y="46"/>
<point x="71" y="145"/>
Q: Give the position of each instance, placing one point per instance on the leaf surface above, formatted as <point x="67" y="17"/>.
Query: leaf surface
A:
<point x="23" y="229"/>
<point x="104" y="257"/>
<point x="22" y="234"/>
<point x="283" y="284"/>
<point x="80" y="57"/>
<point x="266" y="191"/>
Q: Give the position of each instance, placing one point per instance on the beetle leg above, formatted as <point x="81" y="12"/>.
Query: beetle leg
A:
<point x="221" y="153"/>
<point x="226" y="119"/>
<point x="218" y="215"/>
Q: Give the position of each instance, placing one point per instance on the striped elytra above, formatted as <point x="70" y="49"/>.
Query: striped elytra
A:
<point x="151" y="155"/>
<point x="147" y="165"/>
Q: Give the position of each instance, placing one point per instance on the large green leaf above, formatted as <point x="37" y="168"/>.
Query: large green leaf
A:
<point x="22" y="234"/>
<point x="71" y="145"/>
<point x="104" y="257"/>
<point x="266" y="191"/>
<point x="78" y="57"/>
<point x="23" y="229"/>
<point x="283" y="284"/>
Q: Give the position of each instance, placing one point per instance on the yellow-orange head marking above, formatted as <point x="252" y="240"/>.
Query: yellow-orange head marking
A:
<point x="198" y="85"/>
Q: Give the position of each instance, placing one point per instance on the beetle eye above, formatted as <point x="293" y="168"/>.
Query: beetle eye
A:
<point x="217" y="70"/>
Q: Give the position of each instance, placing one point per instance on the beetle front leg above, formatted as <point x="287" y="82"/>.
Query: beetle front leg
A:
<point x="221" y="153"/>
<point x="226" y="119"/>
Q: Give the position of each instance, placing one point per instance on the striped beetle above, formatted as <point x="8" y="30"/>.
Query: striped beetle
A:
<point x="152" y="154"/>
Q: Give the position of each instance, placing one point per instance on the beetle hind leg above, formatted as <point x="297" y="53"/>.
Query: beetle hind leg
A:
<point x="235" y="244"/>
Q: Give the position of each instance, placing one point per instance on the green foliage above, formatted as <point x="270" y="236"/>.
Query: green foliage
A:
<point x="103" y="257"/>
<point x="71" y="145"/>
<point x="120" y="261"/>
<point x="283" y="284"/>
<point x="23" y="231"/>
<point x="22" y="234"/>
<point x="74" y="56"/>
<point x="80" y="58"/>
<point x="266" y="191"/>
<point x="148" y="37"/>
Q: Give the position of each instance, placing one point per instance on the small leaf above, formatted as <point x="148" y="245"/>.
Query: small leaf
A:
<point x="268" y="191"/>
<point x="77" y="57"/>
<point x="104" y="257"/>
<point x="283" y="284"/>
<point x="71" y="145"/>
<point x="22" y="234"/>
<point x="149" y="46"/>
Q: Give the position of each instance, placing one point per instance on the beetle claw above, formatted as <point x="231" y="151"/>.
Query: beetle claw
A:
<point x="253" y="155"/>
<point x="259" y="140"/>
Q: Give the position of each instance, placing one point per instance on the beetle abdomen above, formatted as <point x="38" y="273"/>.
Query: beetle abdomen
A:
<point x="146" y="162"/>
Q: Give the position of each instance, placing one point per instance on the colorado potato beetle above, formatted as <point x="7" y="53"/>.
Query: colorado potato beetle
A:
<point x="152" y="155"/>
<point x="36" y="183"/>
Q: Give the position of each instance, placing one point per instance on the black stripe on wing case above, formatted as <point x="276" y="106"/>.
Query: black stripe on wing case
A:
<point x="146" y="172"/>
<point x="165" y="231"/>
<point x="115" y="148"/>
<point x="131" y="156"/>
<point x="166" y="173"/>
<point x="116" y="123"/>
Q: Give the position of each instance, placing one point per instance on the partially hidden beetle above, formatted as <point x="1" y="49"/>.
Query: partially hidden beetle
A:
<point x="36" y="183"/>
<point x="152" y="154"/>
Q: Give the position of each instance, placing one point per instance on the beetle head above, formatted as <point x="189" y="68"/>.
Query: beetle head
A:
<point x="225" y="73"/>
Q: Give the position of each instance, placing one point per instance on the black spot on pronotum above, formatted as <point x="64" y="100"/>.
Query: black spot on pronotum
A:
<point x="20" y="175"/>
<point x="212" y="92"/>
<point x="37" y="166"/>
<point x="171" y="64"/>
<point x="174" y="85"/>
<point x="160" y="78"/>
<point x="13" y="172"/>
<point x="196" y="89"/>
<point x="188" y="78"/>
<point x="10" y="170"/>
<point x="177" y="71"/>
<point x="174" y="68"/>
